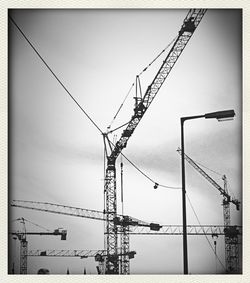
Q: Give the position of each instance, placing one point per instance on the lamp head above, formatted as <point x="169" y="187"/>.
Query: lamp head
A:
<point x="221" y="115"/>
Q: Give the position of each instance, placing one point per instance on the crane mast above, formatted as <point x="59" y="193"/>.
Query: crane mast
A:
<point x="231" y="232"/>
<point x="190" y="23"/>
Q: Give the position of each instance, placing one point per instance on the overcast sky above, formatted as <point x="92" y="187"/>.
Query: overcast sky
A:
<point x="57" y="154"/>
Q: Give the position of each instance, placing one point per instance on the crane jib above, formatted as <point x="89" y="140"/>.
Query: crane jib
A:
<point x="190" y="24"/>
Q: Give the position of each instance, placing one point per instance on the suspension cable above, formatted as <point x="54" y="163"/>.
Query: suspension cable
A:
<point x="144" y="70"/>
<point x="33" y="223"/>
<point x="219" y="174"/>
<point x="56" y="77"/>
<point x="204" y="232"/>
<point x="209" y="169"/>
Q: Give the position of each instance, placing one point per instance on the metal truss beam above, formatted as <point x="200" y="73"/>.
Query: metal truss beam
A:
<point x="191" y="230"/>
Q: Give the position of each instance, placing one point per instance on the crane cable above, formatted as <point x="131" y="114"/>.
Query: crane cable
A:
<point x="219" y="174"/>
<point x="144" y="174"/>
<point x="23" y="219"/>
<point x="56" y="77"/>
<point x="37" y="225"/>
<point x="209" y="169"/>
<point x="204" y="232"/>
<point x="145" y="69"/>
<point x="149" y="178"/>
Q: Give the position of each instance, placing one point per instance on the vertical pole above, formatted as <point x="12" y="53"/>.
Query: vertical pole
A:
<point x="185" y="257"/>
<point x="104" y="182"/>
<point x="215" y="252"/>
<point x="122" y="184"/>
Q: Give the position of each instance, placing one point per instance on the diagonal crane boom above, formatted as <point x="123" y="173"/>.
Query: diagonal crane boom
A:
<point x="231" y="235"/>
<point x="190" y="24"/>
<point x="223" y="191"/>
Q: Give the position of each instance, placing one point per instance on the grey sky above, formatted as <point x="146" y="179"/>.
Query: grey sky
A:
<point x="57" y="154"/>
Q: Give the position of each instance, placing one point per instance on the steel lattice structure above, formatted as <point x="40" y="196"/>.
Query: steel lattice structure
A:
<point x="191" y="230"/>
<point x="191" y="22"/>
<point x="67" y="253"/>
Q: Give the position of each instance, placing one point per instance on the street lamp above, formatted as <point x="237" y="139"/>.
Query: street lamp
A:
<point x="220" y="116"/>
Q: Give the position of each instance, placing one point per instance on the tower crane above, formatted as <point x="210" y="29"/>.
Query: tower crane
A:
<point x="231" y="232"/>
<point x="143" y="228"/>
<point x="190" y="24"/>
<point x="21" y="235"/>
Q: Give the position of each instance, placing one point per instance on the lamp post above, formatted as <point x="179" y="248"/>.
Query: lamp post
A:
<point x="220" y="116"/>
